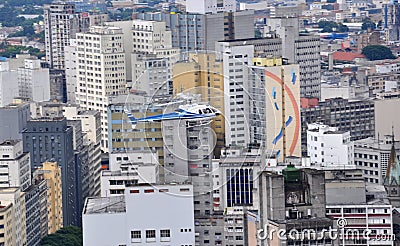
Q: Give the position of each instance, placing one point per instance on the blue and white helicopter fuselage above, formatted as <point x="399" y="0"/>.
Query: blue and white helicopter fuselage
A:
<point x="189" y="112"/>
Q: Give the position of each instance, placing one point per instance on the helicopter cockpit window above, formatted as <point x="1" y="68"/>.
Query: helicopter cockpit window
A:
<point x="200" y="112"/>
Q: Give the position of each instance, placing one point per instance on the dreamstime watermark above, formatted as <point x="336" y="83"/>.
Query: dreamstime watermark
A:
<point x="339" y="233"/>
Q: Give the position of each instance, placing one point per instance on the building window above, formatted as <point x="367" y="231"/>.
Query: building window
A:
<point x="150" y="235"/>
<point x="165" y="235"/>
<point x="136" y="236"/>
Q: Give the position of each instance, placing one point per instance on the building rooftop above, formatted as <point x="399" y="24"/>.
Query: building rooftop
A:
<point x="10" y="142"/>
<point x="100" y="205"/>
<point x="346" y="56"/>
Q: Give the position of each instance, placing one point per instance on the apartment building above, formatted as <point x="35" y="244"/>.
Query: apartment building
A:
<point x="15" y="231"/>
<point x="100" y="71"/>
<point x="328" y="146"/>
<point x="15" y="166"/>
<point x="51" y="172"/>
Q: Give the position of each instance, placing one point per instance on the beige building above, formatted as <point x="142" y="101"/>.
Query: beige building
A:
<point x="52" y="174"/>
<point x="386" y="118"/>
<point x="6" y="222"/>
<point x="14" y="211"/>
<point x="203" y="75"/>
<point x="100" y="71"/>
<point x="283" y="110"/>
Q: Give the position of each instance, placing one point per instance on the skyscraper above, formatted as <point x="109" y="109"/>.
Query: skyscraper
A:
<point x="59" y="26"/>
<point x="51" y="139"/>
<point x="100" y="71"/>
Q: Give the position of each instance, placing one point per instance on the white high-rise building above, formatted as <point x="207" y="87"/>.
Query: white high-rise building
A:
<point x="8" y="84"/>
<point x="59" y="20"/>
<point x="61" y="24"/>
<point x="15" y="165"/>
<point x="329" y="146"/>
<point x="149" y="36"/>
<point x="34" y="81"/>
<point x="145" y="215"/>
<point x="70" y="71"/>
<point x="210" y="6"/>
<point x="239" y="103"/>
<point x="100" y="71"/>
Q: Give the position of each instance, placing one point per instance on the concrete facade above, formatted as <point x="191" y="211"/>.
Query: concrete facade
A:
<point x="135" y="226"/>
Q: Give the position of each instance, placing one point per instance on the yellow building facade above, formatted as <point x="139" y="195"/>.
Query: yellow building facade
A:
<point x="52" y="174"/>
<point x="202" y="74"/>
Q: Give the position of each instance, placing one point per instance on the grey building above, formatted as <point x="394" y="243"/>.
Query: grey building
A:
<point x="356" y="116"/>
<point x="13" y="119"/>
<point x="32" y="203"/>
<point x="372" y="156"/>
<point x="51" y="139"/>
<point x="200" y="32"/>
<point x="294" y="200"/>
<point x="300" y="49"/>
<point x="58" y="85"/>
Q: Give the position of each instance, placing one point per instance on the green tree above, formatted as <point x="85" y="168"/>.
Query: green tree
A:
<point x="331" y="26"/>
<point x="67" y="236"/>
<point x="377" y="52"/>
<point x="368" y="24"/>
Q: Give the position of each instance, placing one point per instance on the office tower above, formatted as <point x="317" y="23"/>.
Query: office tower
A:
<point x="300" y="49"/>
<point x="62" y="22"/>
<point x="200" y="32"/>
<point x="8" y="84"/>
<point x="237" y="57"/>
<point x="100" y="71"/>
<point x="276" y="108"/>
<point x="356" y="116"/>
<point x="213" y="6"/>
<point x="34" y="81"/>
<point x="129" y="168"/>
<point x="238" y="172"/>
<point x="51" y="139"/>
<point x="202" y="74"/>
<point x="372" y="155"/>
<point x="329" y="146"/>
<point x="132" y="223"/>
<point x="14" y="212"/>
<point x="13" y="119"/>
<point x="51" y="172"/>
<point x="300" y="206"/>
<point x="15" y="163"/>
